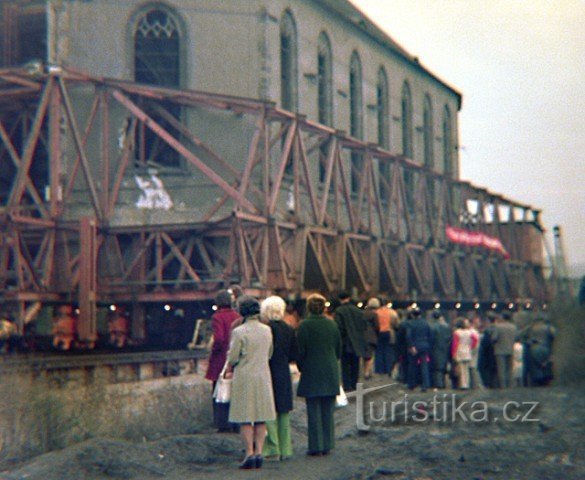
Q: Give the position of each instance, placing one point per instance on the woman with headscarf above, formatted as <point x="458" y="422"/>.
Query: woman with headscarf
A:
<point x="221" y="322"/>
<point x="252" y="400"/>
<point x="278" y="444"/>
<point x="319" y="351"/>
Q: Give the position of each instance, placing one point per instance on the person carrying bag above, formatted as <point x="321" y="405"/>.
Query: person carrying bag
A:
<point x="223" y="388"/>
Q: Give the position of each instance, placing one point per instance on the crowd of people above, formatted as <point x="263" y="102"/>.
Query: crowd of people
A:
<point x="257" y="345"/>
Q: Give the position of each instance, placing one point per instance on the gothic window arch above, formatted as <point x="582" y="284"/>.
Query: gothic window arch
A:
<point x="447" y="142"/>
<point x="407" y="143"/>
<point x="406" y="107"/>
<point x="157" y="47"/>
<point x="356" y="115"/>
<point x="288" y="62"/>
<point x="382" y="108"/>
<point x="157" y="59"/>
<point x="382" y="114"/>
<point x="325" y="91"/>
<point x="428" y="132"/>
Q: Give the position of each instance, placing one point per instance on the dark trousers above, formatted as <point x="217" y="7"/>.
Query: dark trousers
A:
<point x="418" y="363"/>
<point x="350" y="370"/>
<point x="221" y="412"/>
<point x="505" y="364"/>
<point x="385" y="354"/>
<point x="439" y="376"/>
<point x="321" y="424"/>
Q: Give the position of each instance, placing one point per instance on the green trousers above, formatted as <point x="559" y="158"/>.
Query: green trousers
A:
<point x="278" y="439"/>
<point x="321" y="424"/>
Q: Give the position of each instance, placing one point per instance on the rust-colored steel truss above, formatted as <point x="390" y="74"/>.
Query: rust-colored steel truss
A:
<point x="282" y="215"/>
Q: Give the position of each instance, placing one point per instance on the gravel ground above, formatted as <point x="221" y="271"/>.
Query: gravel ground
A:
<point x="477" y="434"/>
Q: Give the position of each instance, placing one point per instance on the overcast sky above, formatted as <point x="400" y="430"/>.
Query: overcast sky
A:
<point x="520" y="66"/>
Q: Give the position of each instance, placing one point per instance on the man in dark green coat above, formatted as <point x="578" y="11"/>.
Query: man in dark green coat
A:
<point x="319" y="350"/>
<point x="352" y="327"/>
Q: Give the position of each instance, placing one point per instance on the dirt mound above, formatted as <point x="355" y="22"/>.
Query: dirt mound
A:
<point x="470" y="435"/>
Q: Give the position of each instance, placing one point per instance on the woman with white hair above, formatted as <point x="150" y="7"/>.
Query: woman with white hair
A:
<point x="278" y="443"/>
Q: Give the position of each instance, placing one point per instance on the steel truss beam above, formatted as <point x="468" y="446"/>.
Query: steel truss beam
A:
<point x="281" y="218"/>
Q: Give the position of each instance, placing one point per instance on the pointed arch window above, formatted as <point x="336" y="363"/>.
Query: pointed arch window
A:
<point x="157" y="61"/>
<point x="324" y="93"/>
<point x="407" y="145"/>
<point x="382" y="114"/>
<point x="406" y="107"/>
<point x="324" y="79"/>
<point x="382" y="108"/>
<point x="428" y="132"/>
<point x="156" y="48"/>
<point x="356" y="115"/>
<point x="447" y="142"/>
<point x="288" y="62"/>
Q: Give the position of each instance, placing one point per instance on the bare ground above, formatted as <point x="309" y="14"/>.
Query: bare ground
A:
<point x="444" y="445"/>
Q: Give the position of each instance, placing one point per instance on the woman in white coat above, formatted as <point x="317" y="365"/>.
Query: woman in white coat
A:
<point x="252" y="400"/>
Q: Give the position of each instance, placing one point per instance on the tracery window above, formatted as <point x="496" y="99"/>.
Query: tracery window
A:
<point x="157" y="61"/>
<point x="156" y="47"/>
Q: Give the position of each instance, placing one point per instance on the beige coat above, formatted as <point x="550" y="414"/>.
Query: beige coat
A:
<point x="252" y="399"/>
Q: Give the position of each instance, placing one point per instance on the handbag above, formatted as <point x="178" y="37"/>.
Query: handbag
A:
<point x="223" y="388"/>
<point x="341" y="398"/>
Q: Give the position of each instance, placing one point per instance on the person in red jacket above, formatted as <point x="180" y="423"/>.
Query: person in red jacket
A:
<point x="222" y="321"/>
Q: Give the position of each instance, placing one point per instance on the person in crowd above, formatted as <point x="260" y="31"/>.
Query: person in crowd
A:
<point x="291" y="316"/>
<point x="539" y="342"/>
<point x="221" y="324"/>
<point x="278" y="443"/>
<point x="352" y="326"/>
<point x="8" y="334"/>
<point x="419" y="340"/>
<point x="330" y="310"/>
<point x="465" y="341"/>
<point x="474" y="377"/>
<point x="370" y="335"/>
<point x="319" y="350"/>
<point x="235" y="292"/>
<point x="503" y="338"/>
<point x="518" y="365"/>
<point x="581" y="296"/>
<point x="64" y="329"/>
<point x="385" y="357"/>
<point x="486" y="361"/>
<point x="118" y="328"/>
<point x="442" y="337"/>
<point x="252" y="398"/>
<point x="401" y="345"/>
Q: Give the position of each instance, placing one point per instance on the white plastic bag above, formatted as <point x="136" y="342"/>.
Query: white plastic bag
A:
<point x="223" y="388"/>
<point x="341" y="398"/>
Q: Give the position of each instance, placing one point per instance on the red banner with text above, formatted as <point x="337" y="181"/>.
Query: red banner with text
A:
<point x="475" y="239"/>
